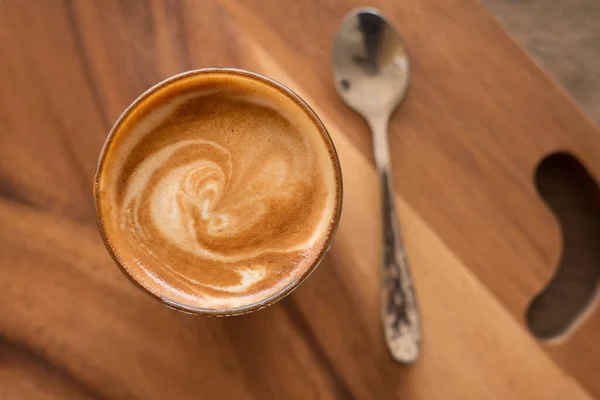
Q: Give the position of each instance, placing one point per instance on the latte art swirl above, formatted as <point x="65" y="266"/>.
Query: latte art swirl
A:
<point x="222" y="198"/>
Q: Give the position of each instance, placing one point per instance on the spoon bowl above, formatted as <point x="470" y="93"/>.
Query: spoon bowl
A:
<point x="370" y="63"/>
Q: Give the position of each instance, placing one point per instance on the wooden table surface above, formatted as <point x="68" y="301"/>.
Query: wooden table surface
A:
<point x="479" y="117"/>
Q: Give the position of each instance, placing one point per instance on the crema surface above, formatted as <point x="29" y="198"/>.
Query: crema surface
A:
<point x="217" y="191"/>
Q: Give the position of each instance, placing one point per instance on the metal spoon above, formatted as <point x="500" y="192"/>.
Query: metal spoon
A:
<point x="370" y="70"/>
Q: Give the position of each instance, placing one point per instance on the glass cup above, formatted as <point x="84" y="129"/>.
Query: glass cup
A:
<point x="215" y="74"/>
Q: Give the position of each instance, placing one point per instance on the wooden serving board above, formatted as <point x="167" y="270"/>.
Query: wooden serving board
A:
<point x="478" y="119"/>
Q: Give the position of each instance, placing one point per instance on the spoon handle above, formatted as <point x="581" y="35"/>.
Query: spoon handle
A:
<point x="400" y="314"/>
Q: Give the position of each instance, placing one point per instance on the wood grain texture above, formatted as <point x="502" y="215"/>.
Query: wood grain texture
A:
<point x="479" y="117"/>
<point x="563" y="37"/>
